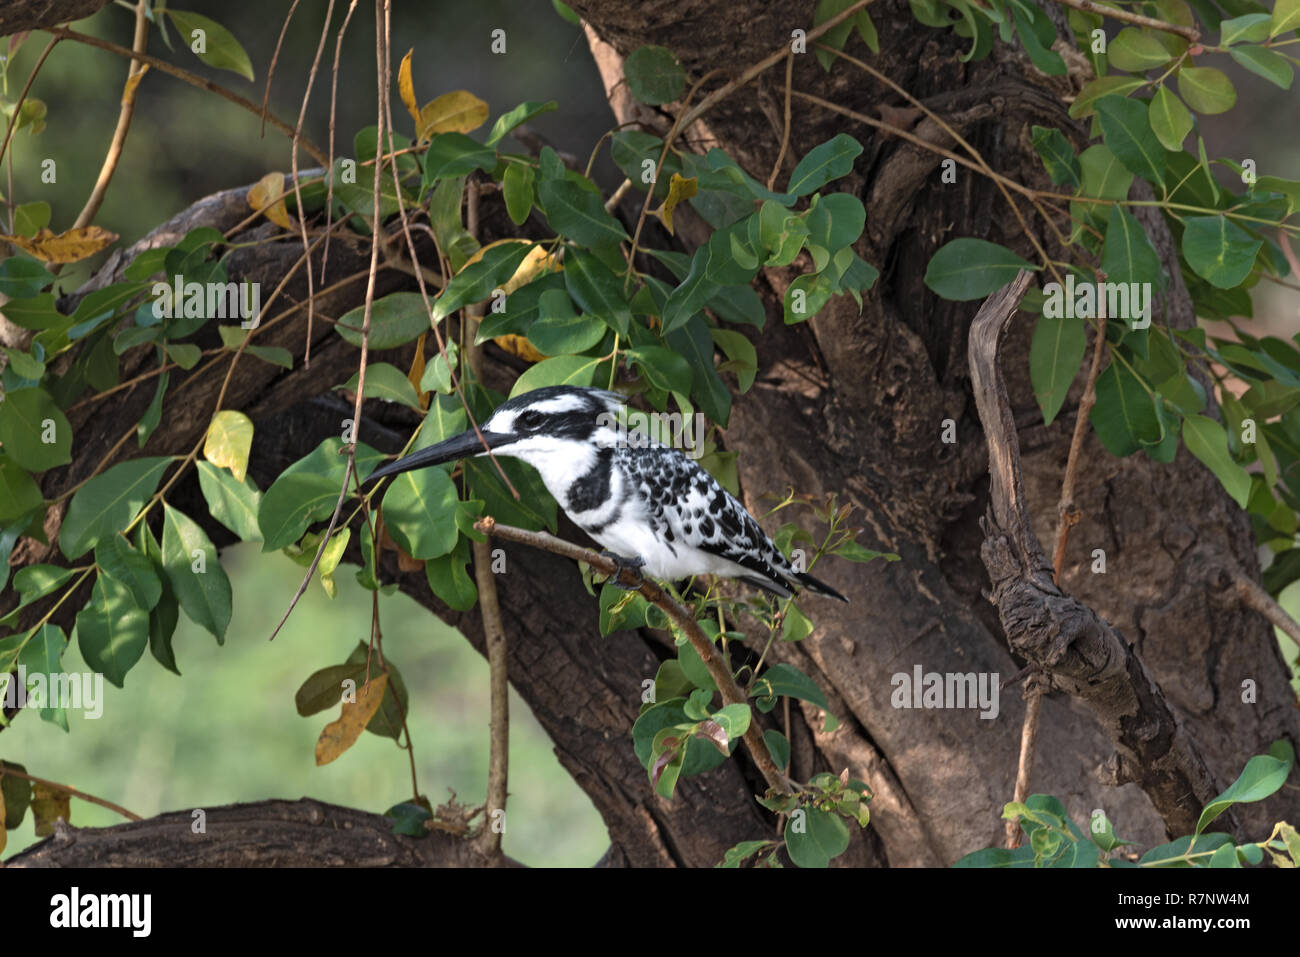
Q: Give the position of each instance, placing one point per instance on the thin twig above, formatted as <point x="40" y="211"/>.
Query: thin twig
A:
<point x="134" y="76"/>
<point x="193" y="79"/>
<point x="727" y="687"/>
<point x="1253" y="596"/>
<point x="275" y="59"/>
<point x="1067" y="514"/>
<point x="1191" y="34"/>
<point x="74" y="792"/>
<point x="22" y="98"/>
<point x="1028" y="737"/>
<point x="785" y="135"/>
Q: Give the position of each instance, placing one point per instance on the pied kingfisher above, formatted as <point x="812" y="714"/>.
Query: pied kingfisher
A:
<point x="652" y="507"/>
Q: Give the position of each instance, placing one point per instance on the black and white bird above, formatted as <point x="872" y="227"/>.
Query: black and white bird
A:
<point x="649" y="505"/>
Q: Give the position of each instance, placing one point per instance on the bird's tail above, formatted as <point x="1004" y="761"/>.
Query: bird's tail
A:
<point x="813" y="584"/>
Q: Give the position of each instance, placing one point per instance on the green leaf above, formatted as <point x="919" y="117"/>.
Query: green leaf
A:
<point x="517" y="186"/>
<point x="307" y="491"/>
<point x="130" y="569"/>
<point x="1286" y="16"/>
<point x="1127" y="131"/>
<point x="34" y="582"/>
<point x="1206" y="440"/>
<point x="450" y="579"/>
<point x="43" y="656"/>
<point x="220" y="48"/>
<point x="19" y="493"/>
<point x="232" y="503"/>
<point x="1269" y="64"/>
<point x="596" y="289"/>
<point x="1175" y="853"/>
<point x="562" y="370"/>
<point x="835" y="37"/>
<point x="1206" y="89"/>
<point x="1084" y="104"/>
<point x="1262" y="777"/>
<point x="107" y="503"/>
<point x="1251" y="28"/>
<point x="34" y="431"/>
<point x="654" y="75"/>
<point x="30" y="218"/>
<point x="112" y="630"/>
<point x="1104" y="176"/>
<point x="742" y="358"/>
<point x="1170" y="120"/>
<point x="387" y="382"/>
<point x="22" y="278"/>
<point x="783" y="679"/>
<point x="1055" y="354"/>
<point x="1057" y="155"/>
<point x="520" y="114"/>
<point x="420" y="511"/>
<point x="578" y="214"/>
<point x="1124" y="416"/>
<point x="1220" y="251"/>
<point x="836" y="221"/>
<point x="970" y="268"/>
<point x="1136" y="51"/>
<point x="476" y="281"/>
<point x="395" y="320"/>
<point x="663" y="368"/>
<point x="1128" y="255"/>
<point x="824" y="163"/>
<point x="451" y="155"/>
<point x="813" y="837"/>
<point x="560" y="329"/>
<point x="195" y="574"/>
<point x="854" y="552"/>
<point x="779" y="747"/>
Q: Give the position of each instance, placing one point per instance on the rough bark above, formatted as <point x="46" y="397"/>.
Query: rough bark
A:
<point x="852" y="403"/>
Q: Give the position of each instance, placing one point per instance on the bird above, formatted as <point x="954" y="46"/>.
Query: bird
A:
<point x="651" y="507"/>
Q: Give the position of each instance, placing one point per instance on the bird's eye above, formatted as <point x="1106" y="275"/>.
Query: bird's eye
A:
<point x="529" y="419"/>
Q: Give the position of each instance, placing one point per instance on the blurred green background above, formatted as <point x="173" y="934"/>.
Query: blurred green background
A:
<point x="228" y="730"/>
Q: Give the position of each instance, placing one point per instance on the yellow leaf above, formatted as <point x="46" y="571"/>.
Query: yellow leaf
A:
<point x="679" y="188"/>
<point x="417" y="371"/>
<point x="69" y="247"/>
<point x="407" y="89"/>
<point x="340" y="735"/>
<point x="519" y="346"/>
<point x="48" y="805"/>
<point x="457" y="112"/>
<point x="267" y="195"/>
<point x="230" y="436"/>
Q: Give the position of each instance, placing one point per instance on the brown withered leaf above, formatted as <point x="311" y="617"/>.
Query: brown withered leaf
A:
<point x="340" y="735"/>
<point x="71" y="246"/>
<point x="713" y="733"/>
<point x="48" y="805"/>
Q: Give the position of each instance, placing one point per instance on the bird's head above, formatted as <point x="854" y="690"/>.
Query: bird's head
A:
<point x="539" y="427"/>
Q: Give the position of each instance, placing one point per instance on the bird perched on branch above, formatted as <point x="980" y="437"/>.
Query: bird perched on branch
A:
<point x="653" y="508"/>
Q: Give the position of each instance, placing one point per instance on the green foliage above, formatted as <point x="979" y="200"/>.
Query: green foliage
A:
<point x="1053" y="840"/>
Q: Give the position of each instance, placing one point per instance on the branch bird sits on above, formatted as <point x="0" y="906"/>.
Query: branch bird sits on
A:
<point x="652" y="507"/>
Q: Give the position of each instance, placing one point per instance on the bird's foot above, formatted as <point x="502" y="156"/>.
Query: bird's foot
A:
<point x="622" y="563"/>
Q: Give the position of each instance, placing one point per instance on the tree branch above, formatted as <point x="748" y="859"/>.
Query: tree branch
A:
<point x="727" y="687"/>
<point x="1076" y="649"/>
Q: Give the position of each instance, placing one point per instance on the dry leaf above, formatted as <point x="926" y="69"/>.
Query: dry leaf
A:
<point x="340" y="735"/>
<point x="48" y="805"/>
<point x="679" y="188"/>
<point x="267" y="195"/>
<point x="68" y="247"/>
<point x="133" y="82"/>
<point x="457" y="112"/>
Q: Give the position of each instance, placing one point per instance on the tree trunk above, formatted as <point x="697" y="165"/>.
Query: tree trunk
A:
<point x="852" y="403"/>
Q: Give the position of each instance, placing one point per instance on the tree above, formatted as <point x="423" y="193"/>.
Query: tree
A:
<point x="920" y="175"/>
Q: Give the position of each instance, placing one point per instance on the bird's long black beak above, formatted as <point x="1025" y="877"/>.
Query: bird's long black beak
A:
<point x="457" y="447"/>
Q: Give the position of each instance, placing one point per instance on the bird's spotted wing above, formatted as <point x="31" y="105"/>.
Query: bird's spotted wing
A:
<point x="688" y="505"/>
